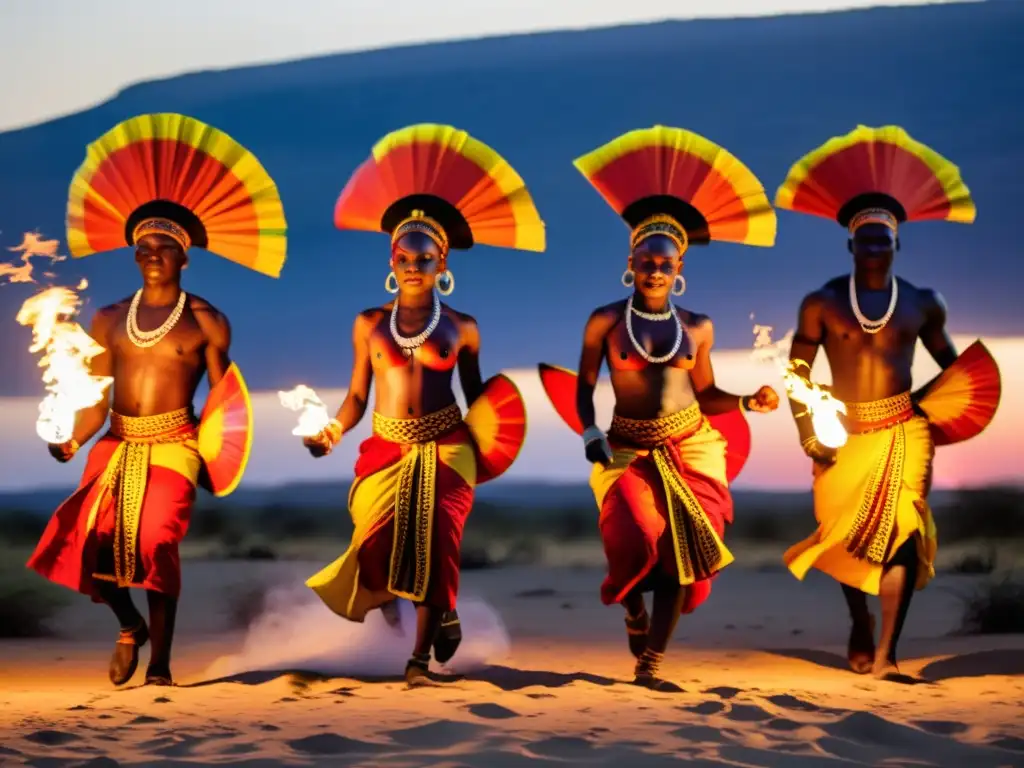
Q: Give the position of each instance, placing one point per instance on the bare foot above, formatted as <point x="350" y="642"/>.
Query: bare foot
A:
<point x="125" y="659"/>
<point x="656" y="683"/>
<point x="418" y="676"/>
<point x="860" y="651"/>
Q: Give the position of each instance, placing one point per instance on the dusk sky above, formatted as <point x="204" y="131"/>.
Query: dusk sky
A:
<point x="531" y="307"/>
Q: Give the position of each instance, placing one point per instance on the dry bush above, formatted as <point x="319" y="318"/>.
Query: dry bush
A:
<point x="996" y="607"/>
<point x="27" y="601"/>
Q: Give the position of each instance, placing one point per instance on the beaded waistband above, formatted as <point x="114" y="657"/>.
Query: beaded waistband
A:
<point x="878" y="414"/>
<point x="419" y="430"/>
<point x="173" y="426"/>
<point x="652" y="432"/>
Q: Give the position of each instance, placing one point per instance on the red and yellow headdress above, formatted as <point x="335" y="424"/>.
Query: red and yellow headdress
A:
<point x="439" y="180"/>
<point x="173" y="175"/>
<point x="878" y="176"/>
<point x="673" y="182"/>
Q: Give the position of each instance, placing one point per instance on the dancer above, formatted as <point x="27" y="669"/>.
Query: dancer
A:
<point x="676" y="440"/>
<point x="875" y="531"/>
<point x="432" y="188"/>
<point x="159" y="183"/>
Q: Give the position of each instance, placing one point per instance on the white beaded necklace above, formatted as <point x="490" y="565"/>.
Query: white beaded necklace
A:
<point x="636" y="344"/>
<point x="144" y="339"/>
<point x="873" y="326"/>
<point x="410" y="343"/>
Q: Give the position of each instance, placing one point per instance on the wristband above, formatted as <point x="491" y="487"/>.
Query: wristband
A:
<point x="743" y="403"/>
<point x="74" y="446"/>
<point x="334" y="431"/>
<point x="592" y="434"/>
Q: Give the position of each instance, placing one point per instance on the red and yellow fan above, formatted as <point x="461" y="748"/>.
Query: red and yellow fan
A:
<point x="225" y="434"/>
<point x="467" y="187"/>
<point x="673" y="171"/>
<point x="560" y="387"/>
<point x="876" y="167"/>
<point x="497" y="422"/>
<point x="176" y="167"/>
<point x="962" y="401"/>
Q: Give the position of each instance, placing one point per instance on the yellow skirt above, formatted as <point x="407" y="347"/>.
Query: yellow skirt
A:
<point x="868" y="504"/>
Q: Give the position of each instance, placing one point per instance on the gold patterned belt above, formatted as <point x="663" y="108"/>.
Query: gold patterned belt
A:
<point x="173" y="426"/>
<point x="422" y="429"/>
<point x="129" y="473"/>
<point x="649" y="433"/>
<point x="875" y="415"/>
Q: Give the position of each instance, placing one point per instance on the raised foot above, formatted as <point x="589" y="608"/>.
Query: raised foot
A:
<point x="449" y="636"/>
<point x="637" y="628"/>
<point x="860" y="651"/>
<point x="125" y="659"/>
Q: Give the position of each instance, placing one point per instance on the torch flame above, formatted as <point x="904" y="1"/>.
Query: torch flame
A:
<point x="313" y="416"/>
<point x="824" y="409"/>
<point x="32" y="245"/>
<point x="67" y="351"/>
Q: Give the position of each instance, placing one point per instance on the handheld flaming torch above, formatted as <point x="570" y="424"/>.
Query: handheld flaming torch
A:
<point x="313" y="416"/>
<point x="67" y="351"/>
<point x="824" y="409"/>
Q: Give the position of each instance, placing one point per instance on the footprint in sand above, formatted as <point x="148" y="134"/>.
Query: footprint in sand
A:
<point x="333" y="744"/>
<point x="78" y="708"/>
<point x="440" y="734"/>
<point x="491" y="711"/>
<point x="269" y="727"/>
<point x="560" y="747"/>
<point x="699" y="734"/>
<point x="161" y="700"/>
<point x="50" y="738"/>
<point x="792" y="702"/>
<point x="747" y="713"/>
<point x="145" y="720"/>
<point x="723" y="692"/>
<point x="940" y="727"/>
<point x="705" y="708"/>
<point x="784" y="724"/>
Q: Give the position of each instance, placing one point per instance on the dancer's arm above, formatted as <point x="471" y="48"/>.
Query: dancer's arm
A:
<point x="714" y="401"/>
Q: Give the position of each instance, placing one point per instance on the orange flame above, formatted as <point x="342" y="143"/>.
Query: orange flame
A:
<point x="823" y="407"/>
<point x="32" y="245"/>
<point x="313" y="415"/>
<point x="67" y="351"/>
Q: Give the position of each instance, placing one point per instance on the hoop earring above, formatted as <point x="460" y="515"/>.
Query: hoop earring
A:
<point x="679" y="286"/>
<point x="628" y="278"/>
<point x="391" y="283"/>
<point x="446" y="283"/>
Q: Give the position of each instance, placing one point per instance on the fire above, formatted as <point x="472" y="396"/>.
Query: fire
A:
<point x="32" y="245"/>
<point x="67" y="351"/>
<point x="823" y="407"/>
<point x="313" y="416"/>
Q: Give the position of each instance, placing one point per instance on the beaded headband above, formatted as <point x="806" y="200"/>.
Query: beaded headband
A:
<point x="660" y="224"/>
<point x="420" y="222"/>
<point x="159" y="226"/>
<point x="873" y="216"/>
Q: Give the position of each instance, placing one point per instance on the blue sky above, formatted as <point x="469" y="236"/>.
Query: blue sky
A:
<point x="59" y="56"/>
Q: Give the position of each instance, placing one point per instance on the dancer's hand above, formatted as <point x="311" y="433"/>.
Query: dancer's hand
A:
<point x="820" y="454"/>
<point x="324" y="441"/>
<point x="63" y="452"/>
<point x="765" y="400"/>
<point x="596" y="446"/>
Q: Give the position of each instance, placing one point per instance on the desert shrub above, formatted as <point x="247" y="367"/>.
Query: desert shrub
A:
<point x="27" y="601"/>
<point x="996" y="607"/>
<point x="21" y="528"/>
<point x="995" y="513"/>
<point x="976" y="564"/>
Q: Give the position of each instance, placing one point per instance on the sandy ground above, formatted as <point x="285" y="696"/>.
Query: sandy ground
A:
<point x="541" y="679"/>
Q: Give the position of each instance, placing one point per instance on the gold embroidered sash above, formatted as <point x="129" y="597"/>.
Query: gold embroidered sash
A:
<point x="699" y="550"/>
<point x="415" y="496"/>
<point x="128" y="474"/>
<point x="871" y="532"/>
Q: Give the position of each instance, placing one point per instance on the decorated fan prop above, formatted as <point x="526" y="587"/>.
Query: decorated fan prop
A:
<point x="468" y="187"/>
<point x="225" y="433"/>
<point x="560" y="387"/>
<point x="876" y="167"/>
<point x="963" y="400"/>
<point x="674" y="171"/>
<point x="179" y="168"/>
<point x="497" y="422"/>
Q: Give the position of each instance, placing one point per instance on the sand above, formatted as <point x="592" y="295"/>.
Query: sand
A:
<point x="541" y="679"/>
